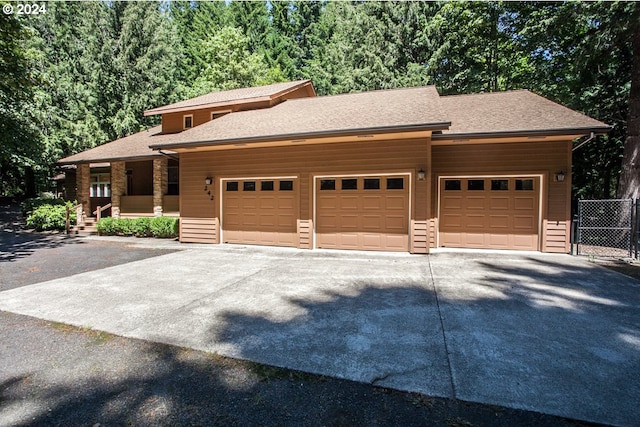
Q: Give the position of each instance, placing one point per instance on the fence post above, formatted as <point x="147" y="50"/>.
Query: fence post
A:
<point x="637" y="230"/>
<point x="67" y="220"/>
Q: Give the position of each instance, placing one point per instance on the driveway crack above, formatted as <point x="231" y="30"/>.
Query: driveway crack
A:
<point x="444" y="335"/>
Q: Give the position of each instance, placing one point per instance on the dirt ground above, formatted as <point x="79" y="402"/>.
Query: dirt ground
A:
<point x="55" y="374"/>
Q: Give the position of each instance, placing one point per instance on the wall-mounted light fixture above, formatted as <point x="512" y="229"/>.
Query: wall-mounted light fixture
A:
<point x="421" y="175"/>
<point x="208" y="180"/>
<point x="560" y="176"/>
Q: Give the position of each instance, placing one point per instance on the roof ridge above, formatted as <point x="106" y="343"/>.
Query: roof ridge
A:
<point x="334" y="95"/>
<point x="459" y="95"/>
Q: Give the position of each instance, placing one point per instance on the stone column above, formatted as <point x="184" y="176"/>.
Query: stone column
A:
<point x="118" y="186"/>
<point x="160" y="183"/>
<point x="83" y="174"/>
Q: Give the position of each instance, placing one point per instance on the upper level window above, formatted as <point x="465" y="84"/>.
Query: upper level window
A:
<point x="187" y="121"/>
<point x="217" y="114"/>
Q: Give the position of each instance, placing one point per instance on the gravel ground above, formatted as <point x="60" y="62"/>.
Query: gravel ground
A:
<point x="55" y="374"/>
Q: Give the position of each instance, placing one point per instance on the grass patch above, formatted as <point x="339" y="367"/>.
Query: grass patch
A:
<point x="97" y="337"/>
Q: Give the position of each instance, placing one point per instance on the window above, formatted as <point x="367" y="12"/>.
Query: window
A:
<point x="395" y="183"/>
<point x="327" y="184"/>
<point x="249" y="186"/>
<point x="266" y="186"/>
<point x="524" y="185"/>
<point x="187" y="121"/>
<point x="350" y="184"/>
<point x="100" y="185"/>
<point x="499" y="184"/>
<point x="218" y="114"/>
<point x="173" y="188"/>
<point x="232" y="185"/>
<point x="452" y="185"/>
<point x="286" y="185"/>
<point x="475" y="185"/>
<point x="372" y="183"/>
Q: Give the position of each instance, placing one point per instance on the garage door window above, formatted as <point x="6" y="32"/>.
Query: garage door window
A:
<point x="524" y="185"/>
<point x="232" y="185"/>
<point x="395" y="183"/>
<point x="372" y="183"/>
<point x="249" y="186"/>
<point x="475" y="185"/>
<point x="350" y="184"/>
<point x="266" y="186"/>
<point x="286" y="185"/>
<point x="499" y="184"/>
<point x="452" y="185"/>
<point x="328" y="184"/>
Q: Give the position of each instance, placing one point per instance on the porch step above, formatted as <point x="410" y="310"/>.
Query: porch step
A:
<point x="86" y="228"/>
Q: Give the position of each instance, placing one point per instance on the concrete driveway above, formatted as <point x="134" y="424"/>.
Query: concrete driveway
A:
<point x="549" y="333"/>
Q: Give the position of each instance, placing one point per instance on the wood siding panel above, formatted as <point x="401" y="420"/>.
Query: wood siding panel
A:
<point x="199" y="230"/>
<point x="545" y="158"/>
<point x="304" y="162"/>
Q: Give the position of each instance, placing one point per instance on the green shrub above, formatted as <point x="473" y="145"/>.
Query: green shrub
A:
<point x="124" y="227"/>
<point x="142" y="227"/>
<point x="164" y="227"/>
<point x="106" y="226"/>
<point x="29" y="205"/>
<point x="51" y="216"/>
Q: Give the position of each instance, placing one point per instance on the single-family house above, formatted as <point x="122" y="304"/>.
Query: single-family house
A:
<point x="395" y="170"/>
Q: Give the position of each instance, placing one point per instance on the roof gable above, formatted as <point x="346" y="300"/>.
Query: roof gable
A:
<point x="232" y="97"/>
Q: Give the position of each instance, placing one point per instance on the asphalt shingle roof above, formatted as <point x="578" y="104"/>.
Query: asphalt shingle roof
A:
<point x="511" y="112"/>
<point x="498" y="113"/>
<point x="297" y="118"/>
<point x="132" y="147"/>
<point x="232" y="96"/>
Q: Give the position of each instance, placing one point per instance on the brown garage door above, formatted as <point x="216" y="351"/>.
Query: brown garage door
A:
<point x="365" y="212"/>
<point x="496" y="213"/>
<point x="260" y="211"/>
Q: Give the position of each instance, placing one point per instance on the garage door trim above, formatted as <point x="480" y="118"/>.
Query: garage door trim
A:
<point x="315" y="179"/>
<point x="541" y="193"/>
<point x="255" y="178"/>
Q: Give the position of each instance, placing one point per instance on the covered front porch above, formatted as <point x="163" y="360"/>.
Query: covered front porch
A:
<point x="129" y="189"/>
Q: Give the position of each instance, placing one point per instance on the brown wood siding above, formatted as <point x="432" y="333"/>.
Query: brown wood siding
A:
<point x="199" y="230"/>
<point x="545" y="158"/>
<point x="304" y="162"/>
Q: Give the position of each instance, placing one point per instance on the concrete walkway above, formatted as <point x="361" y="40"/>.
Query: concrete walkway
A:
<point x="553" y="334"/>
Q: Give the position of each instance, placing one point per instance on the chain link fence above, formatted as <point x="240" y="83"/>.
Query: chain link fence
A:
<point x="606" y="228"/>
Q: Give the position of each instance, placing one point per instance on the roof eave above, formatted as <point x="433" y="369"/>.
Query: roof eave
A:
<point x="152" y="155"/>
<point x="598" y="130"/>
<point x="267" y="98"/>
<point x="306" y="135"/>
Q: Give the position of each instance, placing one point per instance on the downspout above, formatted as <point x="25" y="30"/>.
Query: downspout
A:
<point x="586" y="141"/>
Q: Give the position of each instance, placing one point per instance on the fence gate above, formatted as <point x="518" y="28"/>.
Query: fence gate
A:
<point x="605" y="228"/>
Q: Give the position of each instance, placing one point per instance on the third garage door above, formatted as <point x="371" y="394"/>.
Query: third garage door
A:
<point x="490" y="212"/>
<point x="363" y="212"/>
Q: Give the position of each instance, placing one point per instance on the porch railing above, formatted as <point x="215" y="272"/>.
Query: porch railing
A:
<point x="99" y="210"/>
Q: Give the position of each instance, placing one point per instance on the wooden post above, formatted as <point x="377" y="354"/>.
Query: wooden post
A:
<point x="98" y="212"/>
<point x="67" y="221"/>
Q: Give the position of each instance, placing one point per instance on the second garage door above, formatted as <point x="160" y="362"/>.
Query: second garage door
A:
<point x="260" y="211"/>
<point x="363" y="212"/>
<point x="493" y="212"/>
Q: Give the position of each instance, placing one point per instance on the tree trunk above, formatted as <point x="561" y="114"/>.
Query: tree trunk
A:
<point x="629" y="186"/>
